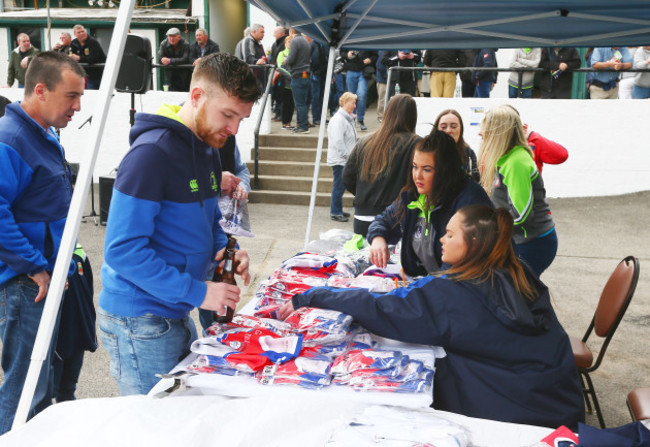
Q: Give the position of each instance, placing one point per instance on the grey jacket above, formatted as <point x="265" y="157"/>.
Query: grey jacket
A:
<point x="521" y="59"/>
<point x="341" y="137"/>
<point x="299" y="58"/>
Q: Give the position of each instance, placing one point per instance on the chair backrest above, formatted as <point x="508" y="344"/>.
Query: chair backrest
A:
<point x="616" y="296"/>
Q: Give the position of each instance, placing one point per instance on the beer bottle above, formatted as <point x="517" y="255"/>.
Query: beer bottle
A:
<point x="227" y="275"/>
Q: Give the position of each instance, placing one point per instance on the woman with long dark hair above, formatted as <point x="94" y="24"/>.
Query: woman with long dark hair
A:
<point x="378" y="166"/>
<point x="436" y="189"/>
<point x="508" y="358"/>
<point x="451" y="123"/>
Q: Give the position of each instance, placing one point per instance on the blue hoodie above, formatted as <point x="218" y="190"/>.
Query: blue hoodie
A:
<point x="163" y="227"/>
<point x="35" y="193"/>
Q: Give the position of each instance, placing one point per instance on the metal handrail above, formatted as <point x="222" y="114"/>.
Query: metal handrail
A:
<point x="265" y="95"/>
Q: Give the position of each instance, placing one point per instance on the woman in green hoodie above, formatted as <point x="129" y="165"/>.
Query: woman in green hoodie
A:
<point x="437" y="188"/>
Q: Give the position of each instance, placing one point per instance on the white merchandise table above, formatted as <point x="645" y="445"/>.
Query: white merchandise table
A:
<point x="216" y="420"/>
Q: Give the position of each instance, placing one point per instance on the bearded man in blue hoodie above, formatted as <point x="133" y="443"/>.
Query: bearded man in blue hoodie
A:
<point x="163" y="231"/>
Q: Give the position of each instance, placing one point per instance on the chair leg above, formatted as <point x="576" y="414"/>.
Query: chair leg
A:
<point x="592" y="392"/>
<point x="585" y="393"/>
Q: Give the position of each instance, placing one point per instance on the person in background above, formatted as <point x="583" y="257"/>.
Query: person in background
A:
<point x="86" y="49"/>
<point x="356" y="79"/>
<point x="511" y="178"/>
<point x="406" y="79"/>
<point x="239" y="48"/>
<point x="555" y="81"/>
<point x="298" y="63"/>
<point x="175" y="51"/>
<point x="544" y="150"/>
<point x="508" y="357"/>
<point x="254" y="53"/>
<point x="19" y="60"/>
<point x="381" y="77"/>
<point x="341" y="138"/>
<point x="318" y="75"/>
<point x="283" y="77"/>
<point x="641" y="80"/>
<point x="202" y="47"/>
<point x="523" y="58"/>
<point x="35" y="194"/>
<point x="436" y="189"/>
<point x="63" y="45"/>
<point x="163" y="233"/>
<point x="467" y="82"/>
<point x="443" y="83"/>
<point x="338" y="82"/>
<point x="379" y="164"/>
<point x="450" y="122"/>
<point x="604" y="85"/>
<point x="484" y="80"/>
<point x="280" y="35"/>
<point x="626" y="81"/>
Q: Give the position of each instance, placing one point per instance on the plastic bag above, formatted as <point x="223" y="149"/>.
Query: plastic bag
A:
<point x="234" y="217"/>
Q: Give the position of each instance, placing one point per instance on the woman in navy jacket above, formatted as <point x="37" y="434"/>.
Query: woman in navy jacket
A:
<point x="508" y="358"/>
<point x="437" y="188"/>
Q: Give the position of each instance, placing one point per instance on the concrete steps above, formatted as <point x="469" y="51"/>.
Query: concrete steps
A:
<point x="286" y="170"/>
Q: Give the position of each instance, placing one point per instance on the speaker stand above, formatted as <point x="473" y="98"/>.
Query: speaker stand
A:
<point x="132" y="111"/>
<point x="92" y="214"/>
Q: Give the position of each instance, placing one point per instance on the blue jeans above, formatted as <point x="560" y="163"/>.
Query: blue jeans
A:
<point x="336" y="207"/>
<point x="640" y="92"/>
<point x="538" y="253"/>
<point x="141" y="347"/>
<point x="300" y="90"/>
<point x="525" y="92"/>
<point x="358" y="85"/>
<point x="482" y="89"/>
<point x="19" y="320"/>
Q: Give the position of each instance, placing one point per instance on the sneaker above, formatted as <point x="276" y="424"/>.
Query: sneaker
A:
<point x="362" y="126"/>
<point x="339" y="218"/>
<point x="287" y="127"/>
<point x="276" y="118"/>
<point x="346" y="214"/>
<point x="312" y="125"/>
<point x="300" y="130"/>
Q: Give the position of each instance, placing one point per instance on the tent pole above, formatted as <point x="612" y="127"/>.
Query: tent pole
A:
<point x="388" y="81"/>
<point x="71" y="230"/>
<point x="321" y="137"/>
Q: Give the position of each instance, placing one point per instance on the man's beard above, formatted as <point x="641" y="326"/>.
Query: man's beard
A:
<point x="204" y="132"/>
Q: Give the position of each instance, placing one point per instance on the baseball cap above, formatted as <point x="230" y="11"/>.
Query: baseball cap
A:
<point x="173" y="31"/>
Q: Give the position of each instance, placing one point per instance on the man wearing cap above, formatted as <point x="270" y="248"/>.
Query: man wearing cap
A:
<point x="175" y="51"/>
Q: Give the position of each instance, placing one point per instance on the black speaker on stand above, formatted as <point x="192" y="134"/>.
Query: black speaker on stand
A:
<point x="134" y="77"/>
